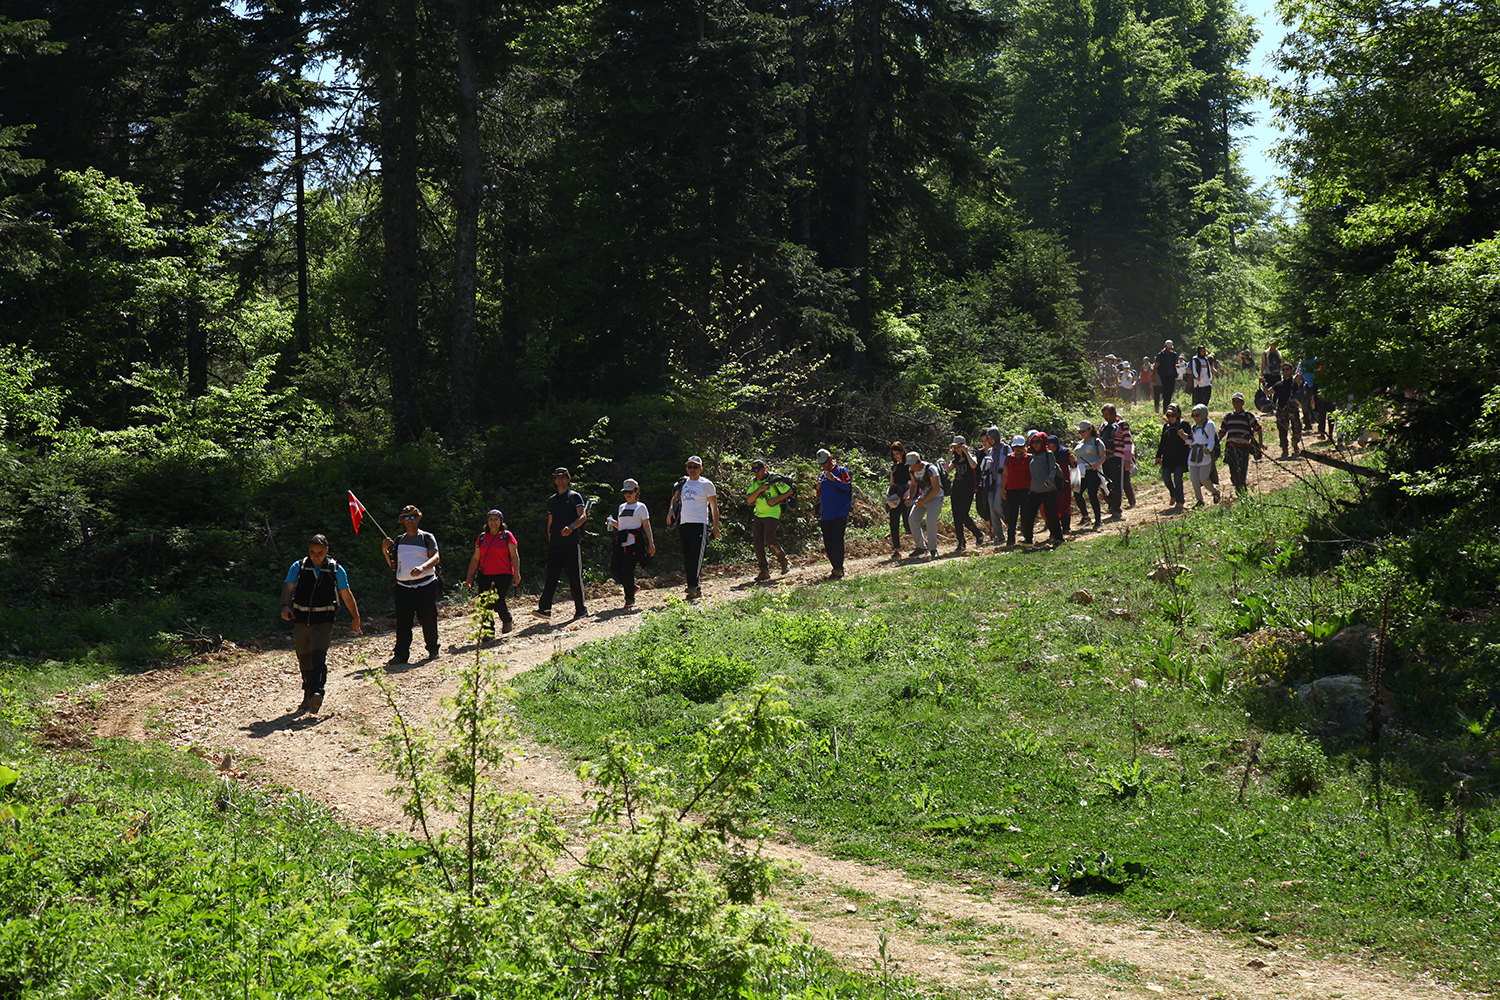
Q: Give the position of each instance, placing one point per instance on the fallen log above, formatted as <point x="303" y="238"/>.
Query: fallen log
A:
<point x="1349" y="467"/>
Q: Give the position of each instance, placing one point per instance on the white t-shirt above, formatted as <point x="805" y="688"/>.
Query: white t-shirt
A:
<point x="631" y="516"/>
<point x="1203" y="372"/>
<point x="1200" y="448"/>
<point x="695" y="494"/>
<point x="1127" y="379"/>
<point x="411" y="552"/>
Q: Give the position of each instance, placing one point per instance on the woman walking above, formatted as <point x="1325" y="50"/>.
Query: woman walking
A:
<point x="1043" y="492"/>
<point x="495" y="566"/>
<point x="895" y="496"/>
<point x="1200" y="439"/>
<point x="1090" y="454"/>
<point x="1172" y="455"/>
<point x="633" y="539"/>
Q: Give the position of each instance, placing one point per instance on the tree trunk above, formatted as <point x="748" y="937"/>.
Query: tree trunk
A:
<point x="399" y="204"/>
<point x="868" y="64"/>
<point x="466" y="228"/>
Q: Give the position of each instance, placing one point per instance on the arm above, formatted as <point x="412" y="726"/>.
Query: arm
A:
<point x="473" y="566"/>
<point x="776" y="500"/>
<point x="433" y="558"/>
<point x="577" y="523"/>
<point x="713" y="511"/>
<point x="286" y="602"/>
<point x="650" y="539"/>
<point x="348" y="596"/>
<point x="515" y="564"/>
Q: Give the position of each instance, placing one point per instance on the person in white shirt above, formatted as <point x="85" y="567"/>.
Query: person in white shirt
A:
<point x="1127" y="383"/>
<point x="1202" y="369"/>
<point x="414" y="557"/>
<point x="633" y="539"/>
<point x="696" y="513"/>
<point x="1200" y="440"/>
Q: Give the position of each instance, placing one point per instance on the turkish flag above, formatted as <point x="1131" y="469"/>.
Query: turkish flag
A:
<point x="356" y="511"/>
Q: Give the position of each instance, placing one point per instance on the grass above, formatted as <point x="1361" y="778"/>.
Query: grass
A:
<point x="967" y="721"/>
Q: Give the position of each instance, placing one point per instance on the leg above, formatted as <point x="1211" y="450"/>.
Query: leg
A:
<point x="1112" y="474"/>
<point x="1011" y="507"/>
<point x="773" y="528"/>
<point x="631" y="557"/>
<point x="1029" y="504"/>
<point x="502" y="587"/>
<point x="694" y="544"/>
<point x="897" y="515"/>
<point x="1128" y="486"/>
<point x="914" y="525"/>
<point x="1054" y="523"/>
<point x="1238" y="460"/>
<point x="934" y="514"/>
<point x="426" y="598"/>
<point x="554" y="575"/>
<point x="758" y="540"/>
<point x="833" y="543"/>
<point x="405" y="610"/>
<point x="999" y="517"/>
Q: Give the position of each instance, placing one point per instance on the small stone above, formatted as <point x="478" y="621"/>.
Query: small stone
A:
<point x="850" y="908"/>
<point x="1123" y="614"/>
<point x="1255" y="963"/>
<point x="1081" y="597"/>
<point x="1265" y="943"/>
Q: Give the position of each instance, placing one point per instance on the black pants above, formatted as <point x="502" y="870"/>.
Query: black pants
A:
<point x="982" y="504"/>
<point x="1088" y="493"/>
<point x="1047" y="503"/>
<point x="898" y="523"/>
<point x="1010" y="512"/>
<point x="1163" y="394"/>
<point x="1238" y="460"/>
<point x="833" y="541"/>
<point x="419" y="603"/>
<point x="962" y="502"/>
<point x="694" y="544"/>
<point x="563" y="559"/>
<point x="625" y="559"/>
<point x="1113" y="474"/>
<point x="500" y="584"/>
<point x="1202" y="394"/>
<point x="311" y="642"/>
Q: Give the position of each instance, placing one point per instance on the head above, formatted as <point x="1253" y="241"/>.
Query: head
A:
<point x="1017" y="443"/>
<point x="1054" y="442"/>
<point x="1200" y="413"/>
<point x="913" y="460"/>
<point x="1286" y="369"/>
<point x="694" y="466"/>
<point x="1202" y="352"/>
<point x="758" y="469"/>
<point x="632" y="490"/>
<point x="959" y="443"/>
<point x="1237" y="401"/>
<point x="494" y="522"/>
<point x="1169" y="345"/>
<point x="1086" y="431"/>
<point x="317" y="549"/>
<point x="898" y="451"/>
<point x="411" y="518"/>
<point x="1108" y="412"/>
<point x="825" y="460"/>
<point x="561" y="479"/>
<point x="1173" y="413"/>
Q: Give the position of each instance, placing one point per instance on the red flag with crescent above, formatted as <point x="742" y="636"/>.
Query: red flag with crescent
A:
<point x="356" y="511"/>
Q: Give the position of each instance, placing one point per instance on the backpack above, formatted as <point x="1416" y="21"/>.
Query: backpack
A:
<point x="788" y="505"/>
<point x="944" y="482"/>
<point x="676" y="505"/>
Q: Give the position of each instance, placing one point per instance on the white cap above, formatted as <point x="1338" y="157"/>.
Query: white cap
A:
<point x="823" y="455"/>
<point x="631" y="484"/>
<point x="695" y="460"/>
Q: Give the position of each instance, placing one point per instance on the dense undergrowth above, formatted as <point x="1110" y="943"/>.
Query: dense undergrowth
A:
<point x="968" y="721"/>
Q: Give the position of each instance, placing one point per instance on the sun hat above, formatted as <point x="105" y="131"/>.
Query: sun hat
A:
<point x="824" y="455"/>
<point x="630" y="484"/>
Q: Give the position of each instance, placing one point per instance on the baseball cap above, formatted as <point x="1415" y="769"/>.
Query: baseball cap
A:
<point x="1018" y="442"/>
<point x="757" y="464"/>
<point x="1239" y="395"/>
<point x="695" y="460"/>
<point x="560" y="471"/>
<point x="630" y="484"/>
<point x="958" y="440"/>
<point x="912" y="458"/>
<point x="823" y="455"/>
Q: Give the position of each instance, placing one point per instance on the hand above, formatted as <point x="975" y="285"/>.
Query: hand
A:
<point x="286" y="613"/>
<point x="469" y="582"/>
<point x="567" y="529"/>
<point x="651" y="550"/>
<point x="716" y="531"/>
<point x="354" y="625"/>
<point x="515" y="579"/>
<point x="416" y="572"/>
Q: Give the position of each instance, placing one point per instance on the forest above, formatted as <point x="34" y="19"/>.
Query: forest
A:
<point x="255" y="255"/>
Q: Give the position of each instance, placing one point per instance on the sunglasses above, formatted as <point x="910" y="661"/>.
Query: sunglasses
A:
<point x="692" y="466"/>
<point x="409" y="517"/>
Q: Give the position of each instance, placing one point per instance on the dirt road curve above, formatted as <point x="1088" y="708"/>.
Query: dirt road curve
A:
<point x="234" y="707"/>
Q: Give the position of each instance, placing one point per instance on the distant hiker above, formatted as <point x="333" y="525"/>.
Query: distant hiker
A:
<point x="1284" y="398"/>
<point x="696" y="514"/>
<point x="1128" y="379"/>
<point x="963" y="474"/>
<point x="1090" y="455"/>
<point x="1166" y="363"/>
<point x="835" y="500"/>
<point x="1172" y="455"/>
<point x="925" y="495"/>
<point x="981" y="482"/>
<point x="1270" y="365"/>
<point x="766" y="495"/>
<point x="496" y="565"/>
<point x="310" y="600"/>
<point x="1201" y="438"/>
<point x="1017" y="488"/>
<point x="1242" y="436"/>
<point x="1201" y="372"/>
<point x="992" y="469"/>
<point x="414" y="556"/>
<point x="1148" y="384"/>
<point x="633" y="538"/>
<point x="1043" y="491"/>
<point x="895" y="496"/>
<point x="566" y="516"/>
<point x="1114" y="459"/>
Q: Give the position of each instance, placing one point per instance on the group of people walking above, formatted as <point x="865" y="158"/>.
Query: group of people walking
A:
<point x="1010" y="482"/>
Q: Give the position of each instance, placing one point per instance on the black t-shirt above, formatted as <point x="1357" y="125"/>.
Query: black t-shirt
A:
<point x="564" y="510"/>
<point x="962" y="477"/>
<point x="1284" y="392"/>
<point x="1166" y="366"/>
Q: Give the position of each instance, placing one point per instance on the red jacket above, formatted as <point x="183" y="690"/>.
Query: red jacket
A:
<point x="1018" y="471"/>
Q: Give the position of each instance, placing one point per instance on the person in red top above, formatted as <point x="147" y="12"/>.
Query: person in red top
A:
<point x="498" y="563"/>
<point x="1017" y="485"/>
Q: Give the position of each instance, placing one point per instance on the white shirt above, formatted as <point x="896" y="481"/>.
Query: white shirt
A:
<point x="695" y="494"/>
<point x="1127" y="379"/>
<point x="1203" y="372"/>
<point x="631" y="516"/>
<point x="1201" y="445"/>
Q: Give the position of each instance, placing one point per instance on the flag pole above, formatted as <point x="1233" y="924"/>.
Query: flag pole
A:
<point x="358" y="512"/>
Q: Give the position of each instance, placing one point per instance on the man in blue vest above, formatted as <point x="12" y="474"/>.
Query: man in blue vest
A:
<point x="309" y="600"/>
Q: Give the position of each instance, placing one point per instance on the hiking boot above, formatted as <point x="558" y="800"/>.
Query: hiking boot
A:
<point x="837" y="574"/>
<point x="763" y="578"/>
<point x="1097" y="524"/>
<point x="694" y="593"/>
<point x="506" y="626"/>
<point x="543" y="612"/>
<point x="1283" y="456"/>
<point x="314" y="703"/>
<point x="303" y="707"/>
<point x="786" y="566"/>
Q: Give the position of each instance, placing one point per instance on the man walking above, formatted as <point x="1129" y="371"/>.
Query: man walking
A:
<point x="835" y="499"/>
<point x="1284" y="398"/>
<point x="696" y="515"/>
<point x="1202" y="368"/>
<point x="992" y="469"/>
<point x="926" y="497"/>
<point x="766" y="496"/>
<point x="1166" y="373"/>
<point x="310" y="600"/>
<point x="566" y="515"/>
<point x="1242" y="435"/>
<point x="414" y="556"/>
<point x="1114" y="459"/>
<point x="963" y="474"/>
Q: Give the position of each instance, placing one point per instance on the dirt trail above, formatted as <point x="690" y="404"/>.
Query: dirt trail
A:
<point x="234" y="707"/>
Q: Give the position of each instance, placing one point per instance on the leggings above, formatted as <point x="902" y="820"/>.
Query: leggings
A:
<point x="962" y="502"/>
<point x="1047" y="502"/>
<point x="1091" y="488"/>
<point x="898" y="523"/>
<point x="500" y="584"/>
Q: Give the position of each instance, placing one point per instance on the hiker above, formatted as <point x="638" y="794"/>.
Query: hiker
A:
<point x="1064" y="492"/>
<point x="414" y="556"/>
<point x="310" y="601"/>
<point x="634" y="541"/>
<point x="1284" y="395"/>
<point x="497" y="563"/>
<point x="925" y="495"/>
<point x="1172" y="455"/>
<point x="963" y="475"/>
<point x="1127" y="383"/>
<point x="1201" y="376"/>
<point x="992" y="468"/>
<point x="1017" y="487"/>
<point x="835" y="500"/>
<point x="1148" y="384"/>
<point x="566" y="516"/>
<point x="981" y="483"/>
<point x="1090" y="455"/>
<point x="1242" y="435"/>
<point x="1124" y="445"/>
<point x="1270" y="365"/>
<point x="1042" y="493"/>
<point x="695" y="511"/>
<point x="1166" y="363"/>
<point x="895" y="496"/>
<point x="1114" y="460"/>
<point x="1201" y="438"/>
<point x="766" y="497"/>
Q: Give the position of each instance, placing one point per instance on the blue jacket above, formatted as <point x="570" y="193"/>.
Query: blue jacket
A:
<point x="835" y="495"/>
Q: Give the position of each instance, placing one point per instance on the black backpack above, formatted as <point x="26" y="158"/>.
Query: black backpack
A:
<point x="788" y="505"/>
<point x="676" y="505"/>
<point x="943" y="480"/>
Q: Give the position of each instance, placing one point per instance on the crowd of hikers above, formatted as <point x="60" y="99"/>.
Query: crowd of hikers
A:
<point x="1011" y="482"/>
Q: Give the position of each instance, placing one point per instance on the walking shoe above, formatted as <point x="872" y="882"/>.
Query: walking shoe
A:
<point x="1097" y="524"/>
<point x="786" y="567"/>
<point x="303" y="707"/>
<point x="932" y="553"/>
<point x="1283" y="456"/>
<point x="837" y="574"/>
<point x="580" y="613"/>
<point x="763" y="578"/>
<point x="433" y="652"/>
<point x="543" y="612"/>
<point x="314" y="702"/>
<point x="506" y="626"/>
<point x="694" y="593"/>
